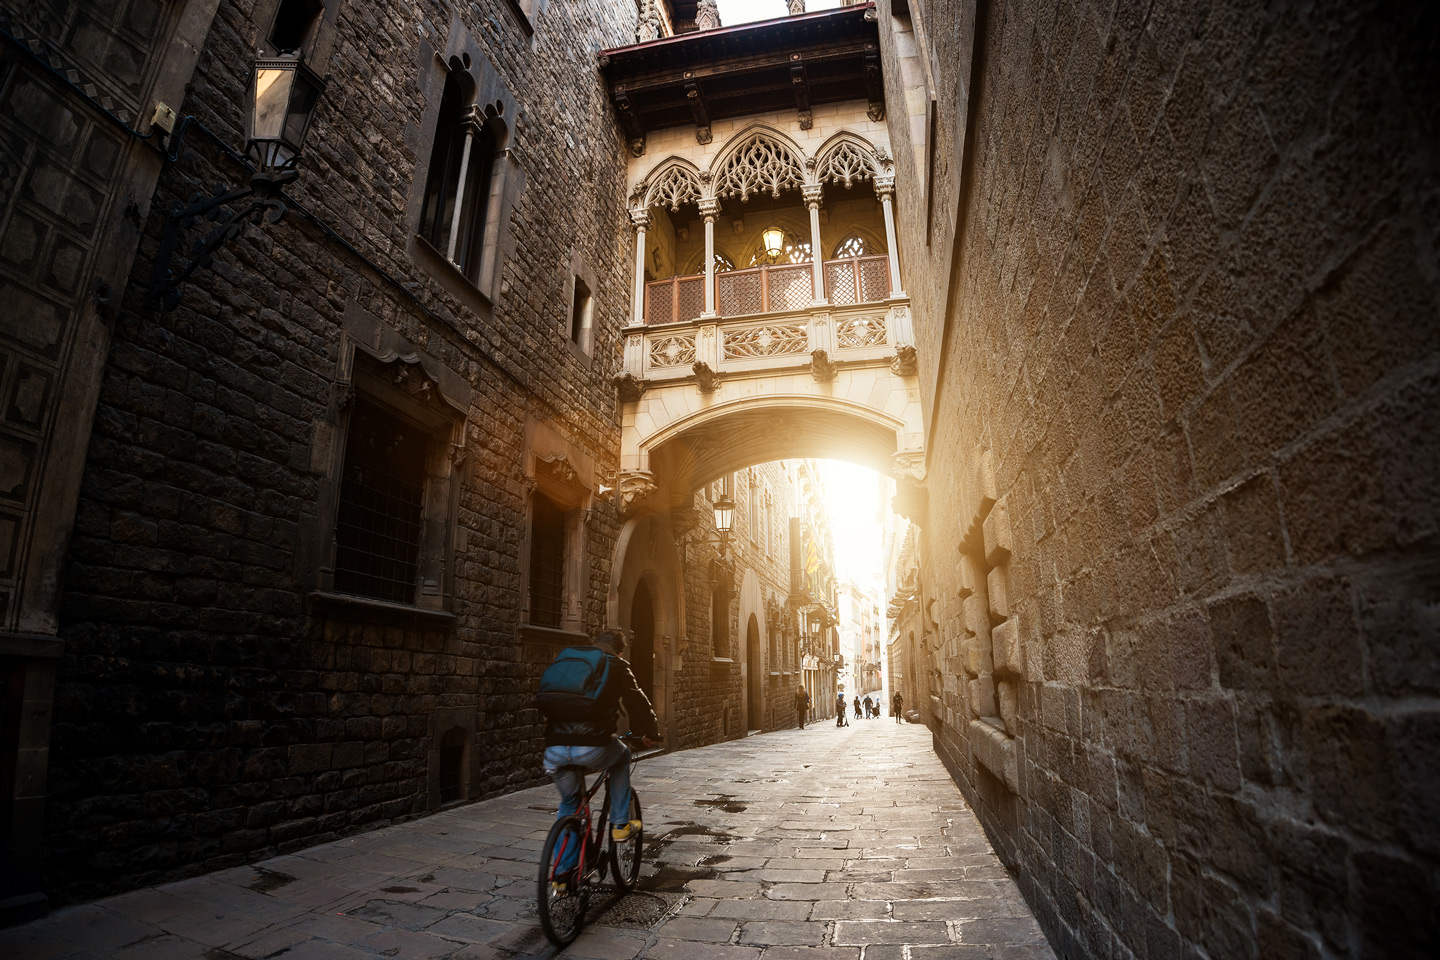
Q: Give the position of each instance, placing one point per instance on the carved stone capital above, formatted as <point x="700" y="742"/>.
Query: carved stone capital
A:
<point x="812" y="193"/>
<point x="640" y="219"/>
<point x="632" y="487"/>
<point x="710" y="209"/>
<point x="822" y="368"/>
<point x="885" y="188"/>
<point x="904" y="364"/>
<point x="631" y="387"/>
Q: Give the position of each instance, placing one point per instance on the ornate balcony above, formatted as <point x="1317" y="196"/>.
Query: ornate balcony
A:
<point x="773" y="288"/>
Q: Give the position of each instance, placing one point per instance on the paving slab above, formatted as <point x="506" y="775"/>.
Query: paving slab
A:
<point x="814" y="844"/>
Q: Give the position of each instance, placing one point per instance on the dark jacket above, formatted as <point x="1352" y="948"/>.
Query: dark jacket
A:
<point x="597" y="729"/>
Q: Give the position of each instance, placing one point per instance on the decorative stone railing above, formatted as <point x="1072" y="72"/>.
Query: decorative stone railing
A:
<point x="772" y="288"/>
<point x="705" y="348"/>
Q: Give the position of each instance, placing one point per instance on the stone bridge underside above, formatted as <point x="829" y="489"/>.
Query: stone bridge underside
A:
<point x="708" y="398"/>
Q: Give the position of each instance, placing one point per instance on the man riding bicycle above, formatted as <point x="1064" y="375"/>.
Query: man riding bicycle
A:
<point x="580" y="733"/>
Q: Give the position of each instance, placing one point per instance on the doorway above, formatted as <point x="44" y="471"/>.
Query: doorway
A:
<point x="755" y="668"/>
<point x="642" y="623"/>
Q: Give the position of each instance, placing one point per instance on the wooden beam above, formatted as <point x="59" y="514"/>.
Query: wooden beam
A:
<point x="697" y="108"/>
<point x="629" y="120"/>
<point x="874" y="84"/>
<point x="801" y="83"/>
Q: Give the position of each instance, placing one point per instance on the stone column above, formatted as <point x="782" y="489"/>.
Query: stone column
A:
<point x="885" y="190"/>
<point x="471" y="122"/>
<point x="709" y="209"/>
<point x="641" y="220"/>
<point x="812" y="194"/>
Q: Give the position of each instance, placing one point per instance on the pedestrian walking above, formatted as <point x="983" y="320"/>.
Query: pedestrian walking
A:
<point x="897" y="706"/>
<point x="802" y="704"/>
<point x="840" y="709"/>
<point x="868" y="707"/>
<point x="857" y="708"/>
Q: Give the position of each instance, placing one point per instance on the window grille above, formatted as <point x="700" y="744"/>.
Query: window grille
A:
<point x="547" y="561"/>
<point x="378" y="523"/>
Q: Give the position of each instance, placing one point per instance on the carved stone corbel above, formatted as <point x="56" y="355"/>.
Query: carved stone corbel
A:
<point x="822" y="368"/>
<point x="633" y="487"/>
<point x="683" y="520"/>
<point x="705" y="378"/>
<point x="911" y="500"/>
<point x="908" y="466"/>
<point x="631" y="387"/>
<point x="904" y="363"/>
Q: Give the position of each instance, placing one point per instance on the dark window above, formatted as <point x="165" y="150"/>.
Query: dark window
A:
<point x="442" y="220"/>
<point x="377" y="526"/>
<point x="578" y="310"/>
<point x="720" y="622"/>
<point x="293" y="21"/>
<point x="452" y="764"/>
<point x="547" y="561"/>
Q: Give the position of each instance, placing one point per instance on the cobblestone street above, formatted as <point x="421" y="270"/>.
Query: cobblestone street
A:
<point x="826" y="842"/>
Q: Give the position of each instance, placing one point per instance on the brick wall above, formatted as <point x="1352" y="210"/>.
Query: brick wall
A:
<point x="206" y="714"/>
<point x="1181" y="368"/>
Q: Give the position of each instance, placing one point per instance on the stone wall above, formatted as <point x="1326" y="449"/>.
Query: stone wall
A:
<point x="210" y="709"/>
<point x="1180" y="367"/>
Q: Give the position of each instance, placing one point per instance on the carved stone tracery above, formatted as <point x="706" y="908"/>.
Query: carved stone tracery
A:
<point x="760" y="164"/>
<point x="675" y="185"/>
<point x="847" y="163"/>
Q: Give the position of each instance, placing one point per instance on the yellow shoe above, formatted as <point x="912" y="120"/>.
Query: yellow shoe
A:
<point x="558" y="887"/>
<point x="621" y="834"/>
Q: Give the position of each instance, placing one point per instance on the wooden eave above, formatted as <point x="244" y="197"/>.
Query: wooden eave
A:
<point x="786" y="63"/>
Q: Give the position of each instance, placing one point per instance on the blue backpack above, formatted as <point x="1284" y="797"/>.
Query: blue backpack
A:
<point x="571" y="685"/>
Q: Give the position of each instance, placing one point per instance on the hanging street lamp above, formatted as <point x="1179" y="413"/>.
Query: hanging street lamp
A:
<point x="283" y="95"/>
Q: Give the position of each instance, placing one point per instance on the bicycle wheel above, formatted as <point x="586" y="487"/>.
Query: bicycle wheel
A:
<point x="625" y="857"/>
<point x="562" y="913"/>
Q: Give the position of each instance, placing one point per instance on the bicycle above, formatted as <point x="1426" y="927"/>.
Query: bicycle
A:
<point x="563" y="896"/>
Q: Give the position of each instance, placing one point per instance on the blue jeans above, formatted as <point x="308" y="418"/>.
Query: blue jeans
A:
<point x="560" y="763"/>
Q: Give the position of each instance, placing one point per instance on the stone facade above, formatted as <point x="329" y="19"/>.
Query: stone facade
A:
<point x="1175" y="296"/>
<point x="217" y="699"/>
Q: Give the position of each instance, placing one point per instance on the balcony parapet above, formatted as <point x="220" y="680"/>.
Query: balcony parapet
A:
<point x="858" y="334"/>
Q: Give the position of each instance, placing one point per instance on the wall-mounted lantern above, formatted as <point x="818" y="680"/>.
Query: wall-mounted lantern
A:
<point x="283" y="95"/>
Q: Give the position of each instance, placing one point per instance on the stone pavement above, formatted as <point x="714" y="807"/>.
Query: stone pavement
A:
<point x="823" y="843"/>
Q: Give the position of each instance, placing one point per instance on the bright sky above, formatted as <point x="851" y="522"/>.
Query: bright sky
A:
<point x="852" y="494"/>
<point x="735" y="12"/>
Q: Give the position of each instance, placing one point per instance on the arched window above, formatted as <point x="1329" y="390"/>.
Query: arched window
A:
<point x="852" y="246"/>
<point x="294" y="19"/>
<point x="791" y="251"/>
<point x="457" y="189"/>
<point x="722" y="264"/>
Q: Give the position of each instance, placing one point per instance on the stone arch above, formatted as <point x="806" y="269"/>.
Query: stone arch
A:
<point x="758" y="158"/>
<point x="725" y="437"/>
<point x="670" y="183"/>
<point x="847" y="158"/>
<point x="874" y="242"/>
<point x="645" y="553"/>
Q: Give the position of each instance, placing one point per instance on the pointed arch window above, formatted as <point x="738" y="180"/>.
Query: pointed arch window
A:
<point x="457" y="188"/>
<point x="852" y="246"/>
<point x="792" y="251"/>
<point x="722" y="264"/>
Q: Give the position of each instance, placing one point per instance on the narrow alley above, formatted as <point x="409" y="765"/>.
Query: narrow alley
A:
<point x="824" y="843"/>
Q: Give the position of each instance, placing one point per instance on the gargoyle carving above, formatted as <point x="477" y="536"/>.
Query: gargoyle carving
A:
<point x="558" y="468"/>
<point x="909" y="466"/>
<point x="705" y="378"/>
<point x="822" y="368"/>
<point x="904" y="363"/>
<point x="631" y="387"/>
<point x="633" y="487"/>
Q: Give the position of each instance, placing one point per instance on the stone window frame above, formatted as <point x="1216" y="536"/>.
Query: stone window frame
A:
<point x="583" y="346"/>
<point x="498" y="109"/>
<point x="318" y="42"/>
<point x="393" y="373"/>
<point x="565" y="474"/>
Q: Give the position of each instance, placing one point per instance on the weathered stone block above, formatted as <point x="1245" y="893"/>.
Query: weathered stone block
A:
<point x="1006" y="648"/>
<point x="997" y="584"/>
<point x="999" y="541"/>
<point x="995" y="752"/>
